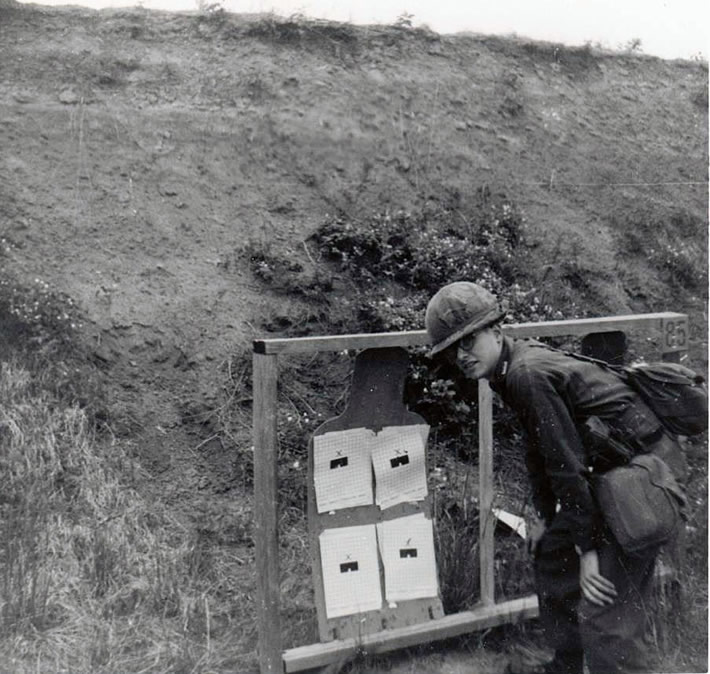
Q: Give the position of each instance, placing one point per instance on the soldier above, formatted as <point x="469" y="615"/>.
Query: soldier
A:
<point x="594" y="598"/>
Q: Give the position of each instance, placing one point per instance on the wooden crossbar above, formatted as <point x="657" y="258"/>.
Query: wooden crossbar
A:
<point x="579" y="326"/>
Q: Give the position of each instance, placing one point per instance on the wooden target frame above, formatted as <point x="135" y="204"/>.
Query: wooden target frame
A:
<point x="674" y="337"/>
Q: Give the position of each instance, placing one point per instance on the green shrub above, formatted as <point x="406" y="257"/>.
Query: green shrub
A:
<point x="678" y="262"/>
<point x="673" y="242"/>
<point x="423" y="251"/>
<point x="41" y="326"/>
<point x="285" y="274"/>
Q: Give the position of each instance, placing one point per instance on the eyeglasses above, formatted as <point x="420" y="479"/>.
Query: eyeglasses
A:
<point x="450" y="353"/>
<point x="467" y="341"/>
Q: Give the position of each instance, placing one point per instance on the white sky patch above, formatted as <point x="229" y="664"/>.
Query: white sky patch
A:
<point x="666" y="28"/>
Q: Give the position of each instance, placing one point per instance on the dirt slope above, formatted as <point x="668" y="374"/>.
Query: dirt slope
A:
<point x="142" y="150"/>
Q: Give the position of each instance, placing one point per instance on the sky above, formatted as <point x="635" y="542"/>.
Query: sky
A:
<point x="666" y="28"/>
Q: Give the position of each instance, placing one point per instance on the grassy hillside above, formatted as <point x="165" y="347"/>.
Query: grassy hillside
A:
<point x="174" y="185"/>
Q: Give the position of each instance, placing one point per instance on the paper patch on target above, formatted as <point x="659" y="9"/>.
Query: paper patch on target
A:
<point x="399" y="461"/>
<point x="351" y="573"/>
<point x="407" y="550"/>
<point x="342" y="469"/>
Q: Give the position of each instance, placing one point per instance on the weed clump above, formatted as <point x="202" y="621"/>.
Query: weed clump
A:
<point x="40" y="326"/>
<point x="673" y="243"/>
<point x="37" y="313"/>
<point x="422" y="251"/>
<point x="285" y="274"/>
<point x="330" y="38"/>
<point x="391" y="264"/>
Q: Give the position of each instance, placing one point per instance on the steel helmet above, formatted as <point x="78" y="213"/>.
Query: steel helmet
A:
<point x="457" y="310"/>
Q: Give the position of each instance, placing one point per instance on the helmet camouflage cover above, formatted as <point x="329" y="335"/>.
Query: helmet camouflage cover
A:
<point x="457" y="310"/>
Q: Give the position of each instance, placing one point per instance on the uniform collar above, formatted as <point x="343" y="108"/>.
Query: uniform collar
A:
<point x="503" y="363"/>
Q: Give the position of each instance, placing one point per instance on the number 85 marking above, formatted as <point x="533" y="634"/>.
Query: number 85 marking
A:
<point x="675" y="334"/>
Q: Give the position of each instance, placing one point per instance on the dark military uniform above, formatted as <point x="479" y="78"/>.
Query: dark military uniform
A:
<point x="553" y="395"/>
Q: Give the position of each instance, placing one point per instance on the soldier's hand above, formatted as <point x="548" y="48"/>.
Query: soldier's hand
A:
<point x="535" y="528"/>
<point x="596" y="588"/>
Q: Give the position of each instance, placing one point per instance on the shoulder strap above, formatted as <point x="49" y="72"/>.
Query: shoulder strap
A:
<point x="619" y="369"/>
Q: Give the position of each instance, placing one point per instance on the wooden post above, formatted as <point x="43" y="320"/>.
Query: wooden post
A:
<point x="266" y="512"/>
<point x="485" y="492"/>
<point x="674" y="349"/>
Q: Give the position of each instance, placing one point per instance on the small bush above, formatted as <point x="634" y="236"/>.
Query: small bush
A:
<point x="674" y="244"/>
<point x="678" y="262"/>
<point x="36" y="313"/>
<point x="210" y="8"/>
<point x="424" y="251"/>
<point x="297" y="31"/>
<point x="41" y="326"/>
<point x="285" y="273"/>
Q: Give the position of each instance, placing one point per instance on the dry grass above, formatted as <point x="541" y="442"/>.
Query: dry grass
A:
<point x="93" y="578"/>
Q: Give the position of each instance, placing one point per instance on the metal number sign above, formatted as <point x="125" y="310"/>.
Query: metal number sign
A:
<point x="674" y="334"/>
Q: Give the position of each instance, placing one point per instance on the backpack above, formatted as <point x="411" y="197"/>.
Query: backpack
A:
<point x="677" y="395"/>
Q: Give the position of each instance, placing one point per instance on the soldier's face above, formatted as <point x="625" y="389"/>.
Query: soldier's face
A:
<point x="477" y="354"/>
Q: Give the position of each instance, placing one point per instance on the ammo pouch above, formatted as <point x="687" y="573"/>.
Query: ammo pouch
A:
<point x="604" y="449"/>
<point x="641" y="503"/>
<point x="615" y="442"/>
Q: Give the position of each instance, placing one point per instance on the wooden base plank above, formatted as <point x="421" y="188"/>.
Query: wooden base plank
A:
<point x="319" y="655"/>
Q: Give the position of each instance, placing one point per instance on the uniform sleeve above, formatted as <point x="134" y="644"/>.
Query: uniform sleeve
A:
<point x="555" y="456"/>
<point x="543" y="497"/>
